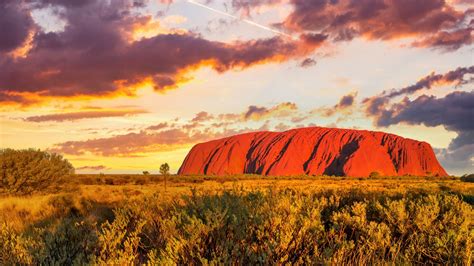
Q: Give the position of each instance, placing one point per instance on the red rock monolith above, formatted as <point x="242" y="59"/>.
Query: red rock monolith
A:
<point x="313" y="151"/>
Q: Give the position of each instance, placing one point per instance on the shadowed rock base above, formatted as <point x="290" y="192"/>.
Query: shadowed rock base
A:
<point x="313" y="151"/>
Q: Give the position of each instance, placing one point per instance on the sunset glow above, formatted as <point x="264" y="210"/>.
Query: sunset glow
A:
<point x="124" y="86"/>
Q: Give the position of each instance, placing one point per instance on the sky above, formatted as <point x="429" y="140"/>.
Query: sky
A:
<point x="122" y="86"/>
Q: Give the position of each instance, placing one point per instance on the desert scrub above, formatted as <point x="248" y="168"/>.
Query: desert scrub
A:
<point x="119" y="241"/>
<point x="13" y="247"/>
<point x="294" y="227"/>
<point x="271" y="226"/>
<point x="27" y="171"/>
<point x="71" y="241"/>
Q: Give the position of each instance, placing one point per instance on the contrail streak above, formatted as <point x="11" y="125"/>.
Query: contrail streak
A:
<point x="244" y="20"/>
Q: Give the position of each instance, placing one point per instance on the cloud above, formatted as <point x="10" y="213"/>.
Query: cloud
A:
<point x="97" y="54"/>
<point x="434" y="23"/>
<point x="346" y="101"/>
<point x="137" y="143"/>
<point x="246" y="6"/>
<point x="299" y="118"/>
<point x="252" y="113"/>
<point x="282" y="127"/>
<point x="166" y="137"/>
<point x="455" y="112"/>
<point x="15" y="25"/>
<point x="84" y="115"/>
<point x="308" y="62"/>
<point x="202" y="116"/>
<point x="92" y="167"/>
<point x="343" y="106"/>
<point x="259" y="113"/>
<point x="447" y="41"/>
<point x="158" y="126"/>
<point x="374" y="105"/>
<point x="458" y="160"/>
<point x="128" y="144"/>
<point x="455" y="77"/>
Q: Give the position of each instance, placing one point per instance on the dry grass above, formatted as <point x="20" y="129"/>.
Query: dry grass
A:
<point x="110" y="190"/>
<point x="87" y="202"/>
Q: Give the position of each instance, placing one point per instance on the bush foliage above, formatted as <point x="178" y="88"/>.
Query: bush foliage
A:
<point x="468" y="178"/>
<point x="258" y="227"/>
<point x="26" y="171"/>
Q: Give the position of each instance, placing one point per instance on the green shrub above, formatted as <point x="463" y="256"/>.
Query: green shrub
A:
<point x="27" y="171"/>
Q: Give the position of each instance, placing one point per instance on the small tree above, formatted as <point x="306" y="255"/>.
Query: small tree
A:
<point x="146" y="172"/>
<point x="26" y="171"/>
<point x="165" y="171"/>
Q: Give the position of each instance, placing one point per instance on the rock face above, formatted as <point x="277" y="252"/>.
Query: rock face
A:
<point x="313" y="151"/>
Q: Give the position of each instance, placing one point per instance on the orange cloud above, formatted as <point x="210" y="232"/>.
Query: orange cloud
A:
<point x="96" y="56"/>
<point x="61" y="117"/>
<point x="92" y="167"/>
<point x="260" y="113"/>
<point x="143" y="142"/>
<point x="168" y="137"/>
<point x="148" y="27"/>
<point x="257" y="113"/>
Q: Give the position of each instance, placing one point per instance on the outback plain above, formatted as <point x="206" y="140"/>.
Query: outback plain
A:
<point x="243" y="219"/>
